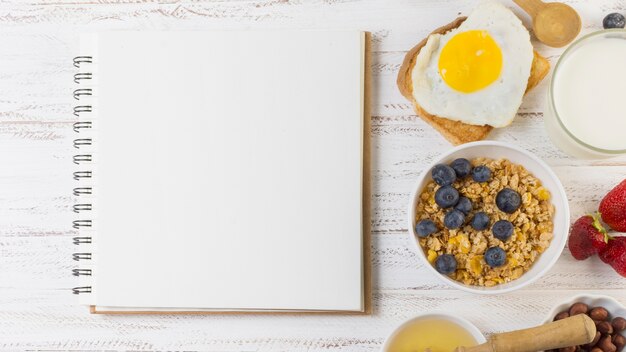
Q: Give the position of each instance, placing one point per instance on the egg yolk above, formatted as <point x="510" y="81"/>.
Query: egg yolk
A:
<point x="470" y="61"/>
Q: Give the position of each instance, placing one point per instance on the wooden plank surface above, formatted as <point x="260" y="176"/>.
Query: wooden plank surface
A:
<point x="37" y="310"/>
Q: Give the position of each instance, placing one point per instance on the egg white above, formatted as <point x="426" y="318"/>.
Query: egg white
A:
<point x="495" y="105"/>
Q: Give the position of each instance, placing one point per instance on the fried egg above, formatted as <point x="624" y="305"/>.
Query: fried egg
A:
<point x="478" y="72"/>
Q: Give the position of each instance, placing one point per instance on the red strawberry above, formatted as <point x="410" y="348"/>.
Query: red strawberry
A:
<point x="613" y="208"/>
<point x="587" y="237"/>
<point x="615" y="254"/>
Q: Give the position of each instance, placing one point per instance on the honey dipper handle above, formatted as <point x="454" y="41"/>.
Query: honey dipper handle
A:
<point x="532" y="7"/>
<point x="572" y="331"/>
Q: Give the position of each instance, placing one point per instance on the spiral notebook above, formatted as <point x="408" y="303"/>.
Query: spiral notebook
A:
<point x="222" y="172"/>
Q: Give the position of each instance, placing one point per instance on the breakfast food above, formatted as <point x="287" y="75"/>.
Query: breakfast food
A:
<point x="613" y="208"/>
<point x="589" y="237"/>
<point x="592" y="67"/>
<point x="470" y="76"/>
<point x="430" y="333"/>
<point x="461" y="74"/>
<point x="615" y="255"/>
<point x="486" y="224"/>
<point x="609" y="329"/>
<point x="614" y="20"/>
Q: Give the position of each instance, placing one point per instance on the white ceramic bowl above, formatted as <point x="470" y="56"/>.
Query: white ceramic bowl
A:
<point x="498" y="150"/>
<point x="615" y="308"/>
<point x="465" y="324"/>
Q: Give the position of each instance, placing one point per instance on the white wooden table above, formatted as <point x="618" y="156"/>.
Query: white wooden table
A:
<point x="37" y="310"/>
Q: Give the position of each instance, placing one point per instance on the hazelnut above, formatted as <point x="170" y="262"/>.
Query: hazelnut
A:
<point x="619" y="341"/>
<point x="596" y="349"/>
<point x="599" y="313"/>
<point x="619" y="324"/>
<point x="568" y="349"/>
<point x="578" y="308"/>
<point x="561" y="315"/>
<point x="606" y="345"/>
<point x="605" y="327"/>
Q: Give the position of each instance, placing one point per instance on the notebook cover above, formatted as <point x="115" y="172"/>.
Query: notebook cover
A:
<point x="366" y="215"/>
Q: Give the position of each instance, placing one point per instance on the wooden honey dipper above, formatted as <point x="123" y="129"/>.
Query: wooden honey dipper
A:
<point x="572" y="331"/>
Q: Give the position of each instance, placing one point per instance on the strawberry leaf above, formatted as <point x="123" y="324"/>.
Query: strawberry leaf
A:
<point x="598" y="226"/>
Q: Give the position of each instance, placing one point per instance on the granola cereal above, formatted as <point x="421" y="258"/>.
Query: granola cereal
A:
<point x="532" y="222"/>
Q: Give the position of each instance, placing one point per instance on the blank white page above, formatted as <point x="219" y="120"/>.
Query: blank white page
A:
<point x="229" y="170"/>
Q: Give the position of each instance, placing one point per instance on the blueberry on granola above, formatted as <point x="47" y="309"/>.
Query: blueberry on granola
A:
<point x="508" y="200"/>
<point x="495" y="257"/>
<point x="480" y="221"/>
<point x="462" y="167"/>
<point x="446" y="197"/>
<point x="502" y="230"/>
<point x="443" y="175"/>
<point x="454" y="219"/>
<point x="445" y="264"/>
<point x="481" y="173"/>
<point x="425" y="228"/>
<point x="464" y="205"/>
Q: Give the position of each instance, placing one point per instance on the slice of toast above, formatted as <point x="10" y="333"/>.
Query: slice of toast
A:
<point x="455" y="131"/>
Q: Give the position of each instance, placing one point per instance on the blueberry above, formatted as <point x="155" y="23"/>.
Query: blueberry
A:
<point x="443" y="175"/>
<point x="445" y="264"/>
<point x="464" y="205"/>
<point x="481" y="173"/>
<point x="508" y="200"/>
<point x="425" y="227"/>
<point x="454" y="219"/>
<point x="446" y="197"/>
<point x="480" y="221"/>
<point x="502" y="230"/>
<point x="495" y="257"/>
<point x="614" y="20"/>
<point x="462" y="167"/>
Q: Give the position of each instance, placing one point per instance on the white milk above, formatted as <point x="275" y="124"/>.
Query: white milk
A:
<point x="589" y="94"/>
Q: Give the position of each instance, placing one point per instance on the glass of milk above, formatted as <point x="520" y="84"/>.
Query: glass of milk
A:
<point x="586" y="114"/>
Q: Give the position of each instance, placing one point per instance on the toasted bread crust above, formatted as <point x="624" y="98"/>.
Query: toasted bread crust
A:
<point x="455" y="131"/>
